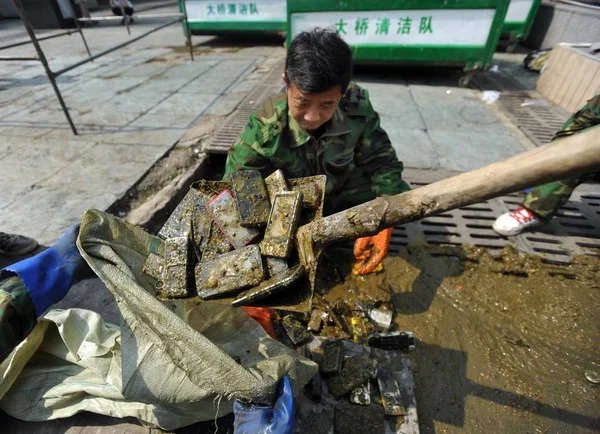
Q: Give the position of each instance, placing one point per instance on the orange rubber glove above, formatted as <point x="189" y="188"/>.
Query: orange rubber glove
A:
<point x="264" y="316"/>
<point x="370" y="251"/>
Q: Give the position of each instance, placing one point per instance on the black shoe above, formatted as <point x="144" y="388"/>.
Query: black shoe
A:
<point x="16" y="245"/>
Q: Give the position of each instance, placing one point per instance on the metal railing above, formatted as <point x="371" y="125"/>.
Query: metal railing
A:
<point x="52" y="75"/>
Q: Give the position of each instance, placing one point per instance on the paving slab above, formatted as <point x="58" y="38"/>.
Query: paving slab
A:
<point x="158" y="84"/>
<point x="439" y="126"/>
<point x="464" y="151"/>
<point x="163" y="137"/>
<point x="45" y="213"/>
<point x="108" y="115"/>
<point x="192" y="70"/>
<point x="395" y="105"/>
<point x="226" y="104"/>
<point x="167" y="120"/>
<point x="40" y="116"/>
<point x="182" y="103"/>
<point x="414" y="147"/>
<point x="461" y="117"/>
<point x="85" y="132"/>
<point x="133" y="103"/>
<point x="95" y="167"/>
<point x="31" y="161"/>
<point x="26" y="131"/>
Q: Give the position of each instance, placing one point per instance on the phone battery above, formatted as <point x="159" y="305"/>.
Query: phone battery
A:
<point x="251" y="197"/>
<point x="179" y="222"/>
<point x="272" y="286"/>
<point x="229" y="272"/>
<point x="223" y="211"/>
<point x="390" y="393"/>
<point x="333" y="356"/>
<point x="275" y="265"/>
<point x="216" y="244"/>
<point x="283" y="221"/>
<point x="311" y="194"/>
<point x="175" y="267"/>
<point x="276" y="183"/>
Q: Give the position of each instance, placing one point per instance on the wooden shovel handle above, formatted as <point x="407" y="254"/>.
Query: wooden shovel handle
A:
<point x="565" y="158"/>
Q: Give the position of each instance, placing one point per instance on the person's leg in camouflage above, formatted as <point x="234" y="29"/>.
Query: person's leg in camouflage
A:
<point x="547" y="199"/>
<point x="542" y="202"/>
<point x="16" y="245"/>
<point x="540" y="205"/>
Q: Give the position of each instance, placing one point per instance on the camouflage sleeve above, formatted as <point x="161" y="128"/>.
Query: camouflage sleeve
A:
<point x="588" y="116"/>
<point x="17" y="315"/>
<point x="247" y="154"/>
<point x="377" y="157"/>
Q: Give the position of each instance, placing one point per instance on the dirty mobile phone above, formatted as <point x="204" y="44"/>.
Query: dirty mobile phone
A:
<point x="282" y="224"/>
<point x="251" y="197"/>
<point x="224" y="213"/>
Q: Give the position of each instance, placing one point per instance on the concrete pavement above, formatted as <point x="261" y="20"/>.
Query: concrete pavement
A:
<point x="130" y="107"/>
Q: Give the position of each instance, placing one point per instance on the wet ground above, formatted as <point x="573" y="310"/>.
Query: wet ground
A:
<point x="504" y="341"/>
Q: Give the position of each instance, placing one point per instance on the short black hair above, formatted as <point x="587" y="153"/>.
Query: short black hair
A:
<point x="319" y="60"/>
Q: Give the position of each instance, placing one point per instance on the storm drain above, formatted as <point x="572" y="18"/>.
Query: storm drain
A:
<point x="229" y="132"/>
<point x="538" y="119"/>
<point x="575" y="230"/>
<point x="533" y="114"/>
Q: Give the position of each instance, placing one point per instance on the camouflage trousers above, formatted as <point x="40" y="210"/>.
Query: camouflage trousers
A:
<point x="545" y="200"/>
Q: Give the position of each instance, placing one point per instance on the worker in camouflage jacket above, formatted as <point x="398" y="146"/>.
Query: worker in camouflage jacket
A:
<point x="324" y="124"/>
<point x="542" y="202"/>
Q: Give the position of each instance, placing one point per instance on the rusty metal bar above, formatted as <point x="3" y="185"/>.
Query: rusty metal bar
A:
<point x="116" y="47"/>
<point x="79" y="29"/>
<point x="134" y="16"/>
<point x="18" y="58"/>
<point x="43" y="38"/>
<point x="125" y="19"/>
<point x="188" y="35"/>
<point x="42" y="58"/>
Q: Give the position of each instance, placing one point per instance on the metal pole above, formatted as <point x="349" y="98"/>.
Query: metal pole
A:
<point x="135" y="16"/>
<point x="125" y="18"/>
<point x="43" y="38"/>
<point x="79" y="28"/>
<point x="187" y="30"/>
<point x="116" y="47"/>
<point x="18" y="58"/>
<point x="83" y="20"/>
<point x="42" y="58"/>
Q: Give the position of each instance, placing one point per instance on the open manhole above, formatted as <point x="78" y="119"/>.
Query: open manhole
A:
<point x="575" y="230"/>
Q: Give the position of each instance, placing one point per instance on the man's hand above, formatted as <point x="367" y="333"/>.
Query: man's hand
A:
<point x="49" y="275"/>
<point x="279" y="419"/>
<point x="370" y="251"/>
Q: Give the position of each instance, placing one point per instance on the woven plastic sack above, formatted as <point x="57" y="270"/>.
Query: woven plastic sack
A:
<point x="168" y="364"/>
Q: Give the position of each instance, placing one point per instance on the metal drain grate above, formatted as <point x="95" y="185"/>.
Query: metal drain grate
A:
<point x="575" y="231"/>
<point x="537" y="118"/>
<point x="229" y="132"/>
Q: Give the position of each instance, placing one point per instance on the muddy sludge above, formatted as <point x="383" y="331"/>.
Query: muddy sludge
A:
<point x="504" y="339"/>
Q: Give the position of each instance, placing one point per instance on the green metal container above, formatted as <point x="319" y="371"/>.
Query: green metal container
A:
<point x="519" y="19"/>
<point x="438" y="32"/>
<point x="214" y="16"/>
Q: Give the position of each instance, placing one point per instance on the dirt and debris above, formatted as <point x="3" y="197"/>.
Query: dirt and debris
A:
<point x="504" y="338"/>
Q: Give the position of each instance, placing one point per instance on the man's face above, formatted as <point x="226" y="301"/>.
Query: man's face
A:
<point x="312" y="110"/>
